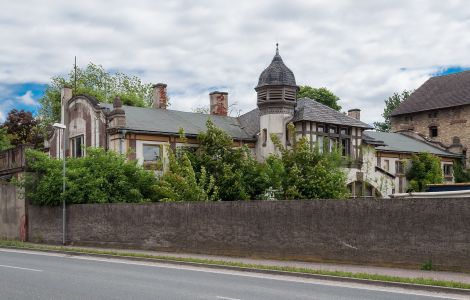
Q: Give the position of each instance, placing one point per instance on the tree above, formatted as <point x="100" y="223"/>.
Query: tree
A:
<point x="96" y="82"/>
<point x="180" y="182"/>
<point x="322" y="95"/>
<point x="425" y="169"/>
<point x="460" y="173"/>
<point x="309" y="173"/>
<point x="22" y="128"/>
<point x="390" y="105"/>
<point x="4" y="140"/>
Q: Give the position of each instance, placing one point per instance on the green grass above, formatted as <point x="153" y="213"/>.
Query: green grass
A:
<point x="421" y="281"/>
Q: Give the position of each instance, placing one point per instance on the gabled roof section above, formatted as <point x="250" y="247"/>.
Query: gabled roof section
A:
<point x="250" y="122"/>
<point x="438" y="92"/>
<point x="166" y="121"/>
<point x="311" y="110"/>
<point x="397" y="142"/>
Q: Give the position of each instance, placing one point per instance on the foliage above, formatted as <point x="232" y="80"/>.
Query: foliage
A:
<point x="100" y="177"/>
<point x="233" y="169"/>
<point x="4" y="139"/>
<point x="96" y="82"/>
<point x="308" y="173"/>
<point x="425" y="169"/>
<point x="322" y="95"/>
<point x="22" y="128"/>
<point x="460" y="173"/>
<point x="179" y="183"/>
<point x="427" y="266"/>
<point x="390" y="105"/>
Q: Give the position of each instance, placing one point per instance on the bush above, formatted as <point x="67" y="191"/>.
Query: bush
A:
<point x="100" y="177"/>
<point x="425" y="169"/>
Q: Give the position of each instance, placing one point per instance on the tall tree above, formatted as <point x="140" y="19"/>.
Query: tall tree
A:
<point x="22" y="128"/>
<point x="322" y="95"/>
<point x="94" y="80"/>
<point x="4" y="139"/>
<point x="390" y="105"/>
<point x="425" y="169"/>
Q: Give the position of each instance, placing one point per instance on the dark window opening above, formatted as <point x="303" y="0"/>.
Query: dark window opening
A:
<point x="433" y="131"/>
<point x="77" y="146"/>
<point x="265" y="137"/>
<point x="345" y="147"/>
<point x="447" y="168"/>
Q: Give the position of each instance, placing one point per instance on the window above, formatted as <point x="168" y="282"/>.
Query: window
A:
<point x="399" y="167"/>
<point x="433" y="131"/>
<point x="333" y="144"/>
<point x="345" y="147"/>
<point x="386" y="165"/>
<point x="333" y="129"/>
<point x="152" y="157"/>
<point x="344" y="131"/>
<point x="77" y="146"/>
<point x="320" y="129"/>
<point x="432" y="114"/>
<point x="447" y="169"/>
<point x="320" y="143"/>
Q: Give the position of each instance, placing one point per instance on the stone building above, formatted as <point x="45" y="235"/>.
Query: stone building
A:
<point x="438" y="113"/>
<point x="146" y="134"/>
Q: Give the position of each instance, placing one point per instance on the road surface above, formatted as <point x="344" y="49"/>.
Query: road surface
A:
<point x="38" y="275"/>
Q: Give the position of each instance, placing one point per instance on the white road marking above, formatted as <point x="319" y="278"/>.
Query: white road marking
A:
<point x="202" y="268"/>
<point x="26" y="269"/>
<point x="227" y="298"/>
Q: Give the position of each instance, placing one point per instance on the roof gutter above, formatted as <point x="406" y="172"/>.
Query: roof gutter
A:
<point x="192" y="135"/>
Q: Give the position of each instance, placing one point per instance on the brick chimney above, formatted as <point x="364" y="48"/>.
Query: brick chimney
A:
<point x="219" y="103"/>
<point x="159" y="96"/>
<point x="355" y="113"/>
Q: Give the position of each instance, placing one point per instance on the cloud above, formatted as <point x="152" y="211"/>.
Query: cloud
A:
<point x="27" y="99"/>
<point x="363" y="51"/>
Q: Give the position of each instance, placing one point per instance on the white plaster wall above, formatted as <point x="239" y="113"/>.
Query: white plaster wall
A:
<point x="275" y="124"/>
<point x="383" y="183"/>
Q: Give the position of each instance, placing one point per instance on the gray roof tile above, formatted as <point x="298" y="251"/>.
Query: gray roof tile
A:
<point x="438" y="92"/>
<point x="311" y="110"/>
<point x="168" y="121"/>
<point x="397" y="142"/>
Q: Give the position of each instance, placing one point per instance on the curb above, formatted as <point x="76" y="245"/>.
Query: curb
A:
<point x="409" y="286"/>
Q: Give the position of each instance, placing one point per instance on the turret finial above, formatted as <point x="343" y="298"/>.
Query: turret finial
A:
<point x="277" y="48"/>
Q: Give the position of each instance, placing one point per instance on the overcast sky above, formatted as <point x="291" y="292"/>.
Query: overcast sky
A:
<point x="363" y="51"/>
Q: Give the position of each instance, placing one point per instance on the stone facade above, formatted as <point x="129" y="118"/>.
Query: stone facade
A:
<point x="453" y="131"/>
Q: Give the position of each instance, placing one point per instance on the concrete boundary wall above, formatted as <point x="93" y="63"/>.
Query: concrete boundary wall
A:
<point x="13" y="219"/>
<point x="383" y="232"/>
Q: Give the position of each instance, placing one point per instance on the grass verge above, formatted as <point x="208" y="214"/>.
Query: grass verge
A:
<point x="377" y="277"/>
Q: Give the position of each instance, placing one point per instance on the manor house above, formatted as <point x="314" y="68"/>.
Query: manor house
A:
<point x="146" y="134"/>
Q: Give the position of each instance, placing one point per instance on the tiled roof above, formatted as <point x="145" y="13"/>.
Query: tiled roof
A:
<point x="311" y="110"/>
<point x="438" y="92"/>
<point x="166" y="121"/>
<point x="277" y="73"/>
<point x="250" y="122"/>
<point x="397" y="142"/>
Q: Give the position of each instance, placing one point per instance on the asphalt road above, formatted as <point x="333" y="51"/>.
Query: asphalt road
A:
<point x="36" y="275"/>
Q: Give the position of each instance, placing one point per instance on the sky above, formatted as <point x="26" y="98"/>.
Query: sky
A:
<point x="363" y="51"/>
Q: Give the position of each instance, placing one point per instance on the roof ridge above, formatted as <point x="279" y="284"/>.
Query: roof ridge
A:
<point x="451" y="74"/>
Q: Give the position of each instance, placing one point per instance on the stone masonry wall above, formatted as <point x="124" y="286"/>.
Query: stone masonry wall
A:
<point x="383" y="232"/>
<point x="450" y="122"/>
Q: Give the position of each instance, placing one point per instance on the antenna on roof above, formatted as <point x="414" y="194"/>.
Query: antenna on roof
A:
<point x="75" y="76"/>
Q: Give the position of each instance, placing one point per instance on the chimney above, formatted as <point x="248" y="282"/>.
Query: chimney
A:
<point x="219" y="103"/>
<point x="159" y="97"/>
<point x="355" y="113"/>
<point x="117" y="117"/>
